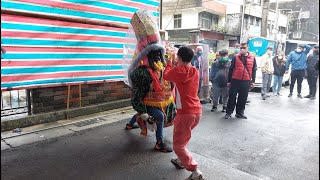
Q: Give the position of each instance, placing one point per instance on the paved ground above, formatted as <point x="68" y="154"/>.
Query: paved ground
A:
<point x="280" y="140"/>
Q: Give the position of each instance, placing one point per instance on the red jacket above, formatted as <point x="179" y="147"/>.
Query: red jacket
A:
<point x="239" y="71"/>
<point x="186" y="79"/>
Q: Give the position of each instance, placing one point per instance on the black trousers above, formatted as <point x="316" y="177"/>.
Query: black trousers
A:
<point x="241" y="89"/>
<point x="312" y="82"/>
<point x="297" y="75"/>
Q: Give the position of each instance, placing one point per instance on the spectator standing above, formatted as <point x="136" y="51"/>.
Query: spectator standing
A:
<point x="241" y="78"/>
<point x="312" y="72"/>
<point x="279" y="66"/>
<point x="267" y="70"/>
<point x="219" y="79"/>
<point x="298" y="61"/>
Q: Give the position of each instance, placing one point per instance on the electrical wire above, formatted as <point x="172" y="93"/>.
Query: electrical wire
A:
<point x="172" y="15"/>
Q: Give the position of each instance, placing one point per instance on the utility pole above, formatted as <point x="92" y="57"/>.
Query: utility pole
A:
<point x="265" y="12"/>
<point x="242" y="21"/>
<point x="276" y="20"/>
<point x="276" y="28"/>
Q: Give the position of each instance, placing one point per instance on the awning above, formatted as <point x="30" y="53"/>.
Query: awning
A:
<point x="300" y="42"/>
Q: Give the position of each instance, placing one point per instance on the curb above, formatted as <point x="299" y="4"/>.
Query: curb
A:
<point x="32" y="120"/>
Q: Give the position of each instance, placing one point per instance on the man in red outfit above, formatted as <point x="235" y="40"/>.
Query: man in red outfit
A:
<point x="189" y="110"/>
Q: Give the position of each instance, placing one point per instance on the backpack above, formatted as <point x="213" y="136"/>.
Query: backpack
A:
<point x="221" y="78"/>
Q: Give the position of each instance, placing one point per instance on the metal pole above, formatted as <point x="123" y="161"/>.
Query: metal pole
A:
<point x="160" y="14"/>
<point x="242" y="20"/>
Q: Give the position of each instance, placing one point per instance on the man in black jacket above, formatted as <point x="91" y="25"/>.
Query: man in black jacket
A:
<point x="312" y="72"/>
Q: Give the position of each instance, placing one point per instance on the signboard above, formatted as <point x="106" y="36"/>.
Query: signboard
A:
<point x="257" y="43"/>
<point x="304" y="15"/>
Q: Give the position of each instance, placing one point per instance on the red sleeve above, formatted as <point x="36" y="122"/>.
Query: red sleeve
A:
<point x="170" y="74"/>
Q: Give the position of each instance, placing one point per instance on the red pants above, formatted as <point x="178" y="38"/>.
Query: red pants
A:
<point x="183" y="125"/>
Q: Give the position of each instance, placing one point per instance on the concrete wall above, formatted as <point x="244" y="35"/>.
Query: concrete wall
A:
<point x="222" y="45"/>
<point x="233" y="23"/>
<point x="189" y="18"/>
<point x="55" y="98"/>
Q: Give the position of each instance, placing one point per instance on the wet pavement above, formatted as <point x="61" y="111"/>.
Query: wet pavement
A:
<point x="279" y="140"/>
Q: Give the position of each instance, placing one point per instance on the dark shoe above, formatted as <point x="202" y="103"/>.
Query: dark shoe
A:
<point x="312" y="98"/>
<point x="224" y="109"/>
<point x="309" y="96"/>
<point x="161" y="146"/>
<point x="248" y="101"/>
<point x="227" y="116"/>
<point x="129" y="127"/>
<point x="178" y="165"/>
<point x="241" y="116"/>
<point x="200" y="177"/>
<point x="264" y="97"/>
<point x="299" y="96"/>
<point x="279" y="94"/>
<point x="214" y="108"/>
<point x="290" y="95"/>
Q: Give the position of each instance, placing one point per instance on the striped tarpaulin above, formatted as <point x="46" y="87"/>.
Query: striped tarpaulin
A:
<point x="45" y="52"/>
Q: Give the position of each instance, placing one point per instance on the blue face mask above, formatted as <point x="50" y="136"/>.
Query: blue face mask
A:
<point x="199" y="53"/>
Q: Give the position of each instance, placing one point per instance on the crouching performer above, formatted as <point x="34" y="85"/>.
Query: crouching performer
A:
<point x="152" y="96"/>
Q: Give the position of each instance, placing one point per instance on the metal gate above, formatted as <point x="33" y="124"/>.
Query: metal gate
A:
<point x="15" y="102"/>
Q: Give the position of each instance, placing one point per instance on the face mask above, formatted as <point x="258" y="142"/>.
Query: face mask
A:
<point x="280" y="57"/>
<point x="299" y="50"/>
<point x="199" y="53"/>
<point x="223" y="60"/>
<point x="269" y="52"/>
<point x="243" y="51"/>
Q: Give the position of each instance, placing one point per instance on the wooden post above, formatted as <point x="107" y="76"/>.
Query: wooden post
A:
<point x="68" y="102"/>
<point x="80" y="94"/>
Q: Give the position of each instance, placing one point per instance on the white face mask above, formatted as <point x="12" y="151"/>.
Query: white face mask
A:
<point x="280" y="57"/>
<point x="299" y="50"/>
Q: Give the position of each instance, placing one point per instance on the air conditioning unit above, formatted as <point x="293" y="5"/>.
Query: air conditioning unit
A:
<point x="297" y="35"/>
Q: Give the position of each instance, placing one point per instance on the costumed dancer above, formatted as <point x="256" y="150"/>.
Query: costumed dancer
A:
<point x="152" y="96"/>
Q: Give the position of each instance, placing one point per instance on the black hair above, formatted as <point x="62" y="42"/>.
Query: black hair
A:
<point x="154" y="56"/>
<point x="223" y="52"/>
<point x="269" y="48"/>
<point x="186" y="54"/>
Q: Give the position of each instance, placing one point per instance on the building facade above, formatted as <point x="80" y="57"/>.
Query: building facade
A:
<point x="220" y="22"/>
<point x="209" y="17"/>
<point x="303" y="22"/>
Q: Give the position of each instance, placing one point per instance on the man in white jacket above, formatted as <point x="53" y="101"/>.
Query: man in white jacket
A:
<point x="267" y="71"/>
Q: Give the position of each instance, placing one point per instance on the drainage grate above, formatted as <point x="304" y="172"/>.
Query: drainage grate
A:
<point x="89" y="121"/>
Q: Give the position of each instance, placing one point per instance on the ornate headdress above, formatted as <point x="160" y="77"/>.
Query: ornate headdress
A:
<point x="148" y="39"/>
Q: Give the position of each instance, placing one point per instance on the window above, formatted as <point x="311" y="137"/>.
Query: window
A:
<point x="246" y="21"/>
<point x="252" y="20"/>
<point x="177" y="20"/>
<point x="206" y="23"/>
<point x="257" y="2"/>
<point x="258" y="21"/>
<point x="206" y="20"/>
